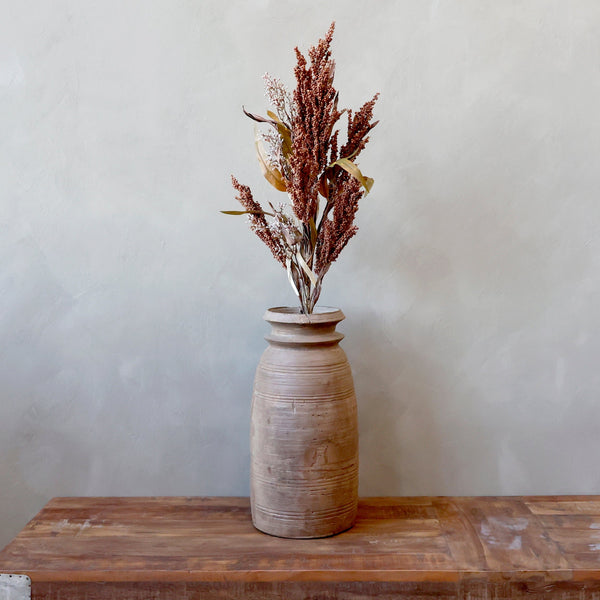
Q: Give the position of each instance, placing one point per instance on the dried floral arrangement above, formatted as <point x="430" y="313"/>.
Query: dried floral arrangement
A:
<point x="306" y="159"/>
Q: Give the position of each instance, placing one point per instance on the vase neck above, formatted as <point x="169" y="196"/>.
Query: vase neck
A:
<point x="290" y="327"/>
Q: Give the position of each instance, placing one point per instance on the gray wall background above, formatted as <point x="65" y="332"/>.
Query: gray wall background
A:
<point x="130" y="309"/>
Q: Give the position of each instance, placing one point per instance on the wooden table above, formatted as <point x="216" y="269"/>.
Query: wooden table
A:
<point x="412" y="548"/>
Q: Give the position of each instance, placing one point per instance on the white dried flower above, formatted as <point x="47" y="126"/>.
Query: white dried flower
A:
<point x="279" y="98"/>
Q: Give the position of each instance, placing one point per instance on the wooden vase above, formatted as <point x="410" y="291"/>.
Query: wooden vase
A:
<point x="304" y="434"/>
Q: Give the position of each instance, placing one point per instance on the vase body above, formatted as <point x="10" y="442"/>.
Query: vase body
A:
<point x="304" y="435"/>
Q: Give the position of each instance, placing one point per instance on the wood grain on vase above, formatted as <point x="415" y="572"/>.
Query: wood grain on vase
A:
<point x="304" y="434"/>
<point x="415" y="548"/>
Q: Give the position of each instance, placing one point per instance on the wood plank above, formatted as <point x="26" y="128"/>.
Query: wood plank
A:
<point x="184" y="548"/>
<point x="461" y="537"/>
<point x="253" y="591"/>
<point x="568" y="506"/>
<point x="194" y="538"/>
<point x="573" y="524"/>
<point x="473" y="590"/>
<point x="510" y="536"/>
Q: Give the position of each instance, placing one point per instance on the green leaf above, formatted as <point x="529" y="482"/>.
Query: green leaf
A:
<point x="350" y="167"/>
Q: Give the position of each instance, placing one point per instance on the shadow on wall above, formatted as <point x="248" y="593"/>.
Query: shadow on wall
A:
<point x="421" y="432"/>
<point x="394" y="407"/>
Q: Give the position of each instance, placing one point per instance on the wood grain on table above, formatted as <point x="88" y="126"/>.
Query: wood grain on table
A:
<point x="188" y="548"/>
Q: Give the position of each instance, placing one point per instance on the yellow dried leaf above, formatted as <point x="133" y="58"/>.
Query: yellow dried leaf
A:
<point x="350" y="167"/>
<point x="271" y="174"/>
<point x="306" y="268"/>
<point x="284" y="132"/>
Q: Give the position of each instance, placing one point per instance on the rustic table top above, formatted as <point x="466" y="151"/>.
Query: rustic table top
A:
<point x="193" y="546"/>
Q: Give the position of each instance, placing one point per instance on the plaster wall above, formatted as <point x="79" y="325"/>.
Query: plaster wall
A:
<point x="130" y="308"/>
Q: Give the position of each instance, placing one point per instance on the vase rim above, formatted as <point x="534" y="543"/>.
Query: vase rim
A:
<point x="293" y="314"/>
